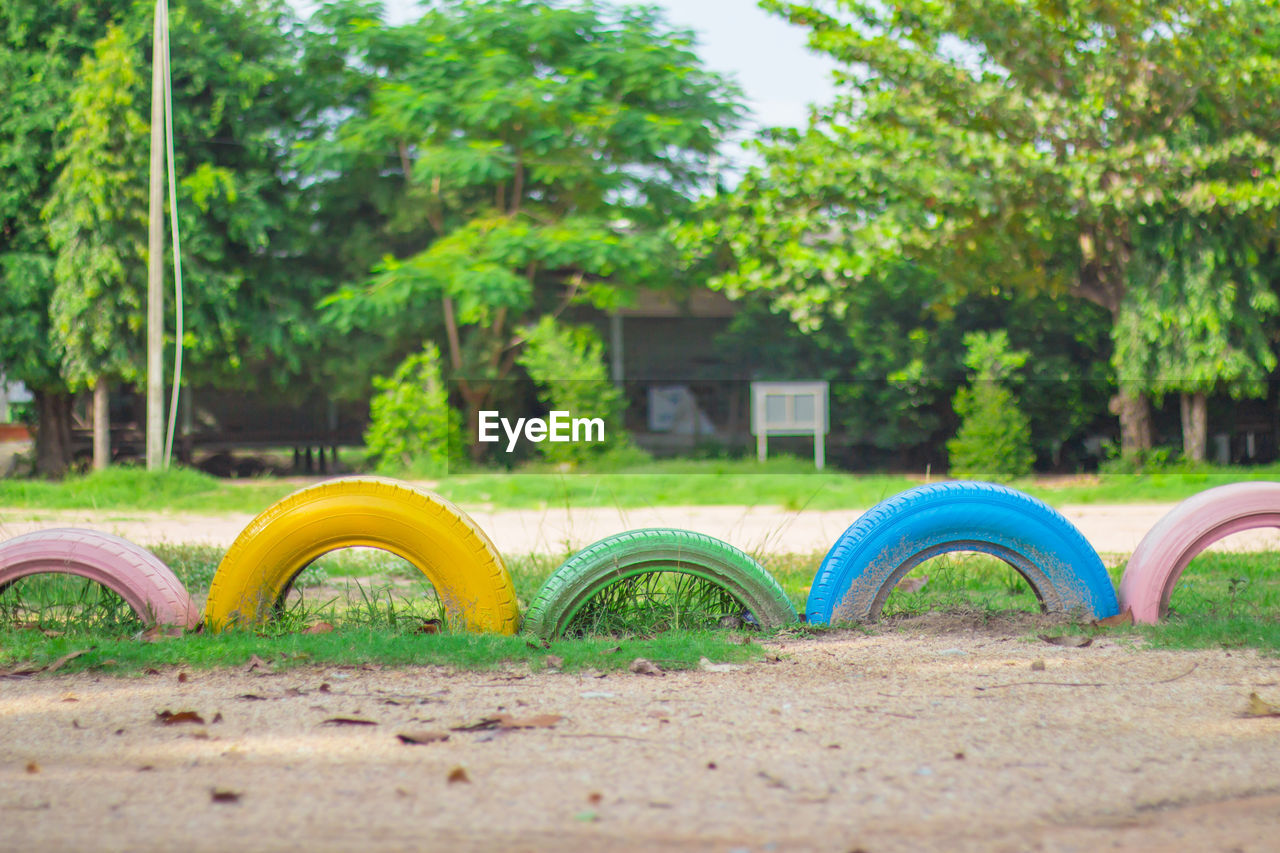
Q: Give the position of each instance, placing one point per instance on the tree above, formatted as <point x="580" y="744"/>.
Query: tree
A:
<point x="98" y="227"/>
<point x="1000" y="146"/>
<point x="41" y="47"/>
<point x="241" y="99"/>
<point x="994" y="440"/>
<point x="522" y="158"/>
<point x="1196" y="321"/>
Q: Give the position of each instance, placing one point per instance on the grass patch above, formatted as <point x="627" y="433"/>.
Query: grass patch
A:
<point x="128" y="488"/>
<point x="785" y="482"/>
<point x="355" y="646"/>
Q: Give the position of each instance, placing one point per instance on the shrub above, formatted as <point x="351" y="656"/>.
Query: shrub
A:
<point x="410" y="419"/>
<point x="567" y="364"/>
<point x="994" y="439"/>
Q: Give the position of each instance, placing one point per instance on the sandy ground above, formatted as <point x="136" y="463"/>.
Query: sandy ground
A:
<point x="918" y="738"/>
<point x="933" y="735"/>
<point x="1111" y="529"/>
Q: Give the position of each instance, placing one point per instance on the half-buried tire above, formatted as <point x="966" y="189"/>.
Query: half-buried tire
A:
<point x="898" y="534"/>
<point x="147" y="585"/>
<point x="421" y="527"/>
<point x="616" y="559"/>
<point x="1190" y="527"/>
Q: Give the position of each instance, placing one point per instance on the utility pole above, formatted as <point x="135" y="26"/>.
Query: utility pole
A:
<point x="155" y="248"/>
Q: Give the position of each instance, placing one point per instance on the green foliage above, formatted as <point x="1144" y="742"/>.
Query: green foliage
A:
<point x="567" y="364"/>
<point x="98" y="221"/>
<point x="539" y="150"/>
<point x="1197" y="321"/>
<point x="411" y="423"/>
<point x="994" y="440"/>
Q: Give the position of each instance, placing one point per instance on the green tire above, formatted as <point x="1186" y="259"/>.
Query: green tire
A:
<point x="637" y="552"/>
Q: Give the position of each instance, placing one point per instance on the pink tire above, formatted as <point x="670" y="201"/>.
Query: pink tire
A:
<point x="1190" y="527"/>
<point x="147" y="585"/>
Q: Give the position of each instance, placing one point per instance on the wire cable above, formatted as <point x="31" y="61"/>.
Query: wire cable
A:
<point x="162" y="8"/>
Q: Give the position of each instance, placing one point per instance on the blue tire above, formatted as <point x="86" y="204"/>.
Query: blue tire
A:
<point x="898" y="534"/>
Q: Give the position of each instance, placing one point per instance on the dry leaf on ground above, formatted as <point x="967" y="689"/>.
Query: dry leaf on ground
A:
<point x="170" y="718"/>
<point x="224" y="795"/>
<point x="1125" y="618"/>
<point x="319" y="628"/>
<point x="506" y="721"/>
<point x="1258" y="707"/>
<point x="706" y="665"/>
<point x="422" y="738"/>
<point x="256" y="662"/>
<point x="1069" y="641"/>
<point x="458" y="774"/>
<point x="640" y="666"/>
<point x="348" y="721"/>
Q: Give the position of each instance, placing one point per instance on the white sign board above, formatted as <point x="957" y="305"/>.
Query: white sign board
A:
<point x="791" y="408"/>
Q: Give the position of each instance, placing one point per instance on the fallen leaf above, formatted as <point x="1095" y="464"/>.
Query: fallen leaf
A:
<point x="32" y="767"/>
<point x="640" y="666"/>
<point x="319" y="628"/>
<point x="348" y="721"/>
<point x="611" y="650"/>
<point x="594" y="798"/>
<point x="182" y="678"/>
<point x="422" y="738"/>
<point x="1071" y="642"/>
<point x="912" y="584"/>
<point x="217" y="717"/>
<point x="224" y="795"/>
<point x="554" y="662"/>
<point x="506" y="721"/>
<point x="169" y="718"/>
<point x="256" y="662"/>
<point x="457" y="775"/>
<point x="324" y="687"/>
<point x="1259" y="708"/>
<point x="1037" y="666"/>
<point x="252" y="697"/>
<point x="1125" y="618"/>
<point x="69" y="656"/>
<point x="430" y="626"/>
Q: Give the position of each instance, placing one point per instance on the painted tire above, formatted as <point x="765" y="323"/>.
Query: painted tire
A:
<point x="637" y="552"/>
<point x="1190" y="527"/>
<point x="419" y="526"/>
<point x="147" y="585"/>
<point x="897" y="534"/>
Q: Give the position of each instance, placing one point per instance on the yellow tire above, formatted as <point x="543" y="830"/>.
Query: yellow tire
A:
<point x="419" y="526"/>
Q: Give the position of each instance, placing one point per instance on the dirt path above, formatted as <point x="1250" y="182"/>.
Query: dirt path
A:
<point x="1111" y="529"/>
<point x="909" y="740"/>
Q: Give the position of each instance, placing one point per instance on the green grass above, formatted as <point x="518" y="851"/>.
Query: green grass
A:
<point x="785" y="482"/>
<point x="129" y="488"/>
<point x="354" y="646"/>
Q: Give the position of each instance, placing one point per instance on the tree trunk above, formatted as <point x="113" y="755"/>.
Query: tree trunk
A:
<point x="101" y="424"/>
<point x="53" y="432"/>
<point x="1195" y="426"/>
<point x="1135" y="421"/>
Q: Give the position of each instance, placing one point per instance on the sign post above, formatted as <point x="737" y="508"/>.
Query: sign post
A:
<point x="791" y="408"/>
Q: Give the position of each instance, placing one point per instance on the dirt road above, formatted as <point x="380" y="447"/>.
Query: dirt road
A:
<point x="1111" y="529"/>
<point x="913" y="739"/>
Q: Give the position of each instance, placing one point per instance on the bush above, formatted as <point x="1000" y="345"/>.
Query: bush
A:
<point x="411" y="421"/>
<point x="994" y="439"/>
<point x="567" y="364"/>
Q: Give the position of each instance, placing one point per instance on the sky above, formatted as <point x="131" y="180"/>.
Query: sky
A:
<point x="765" y="54"/>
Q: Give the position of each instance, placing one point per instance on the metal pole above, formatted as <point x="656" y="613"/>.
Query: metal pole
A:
<point x="155" y="251"/>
